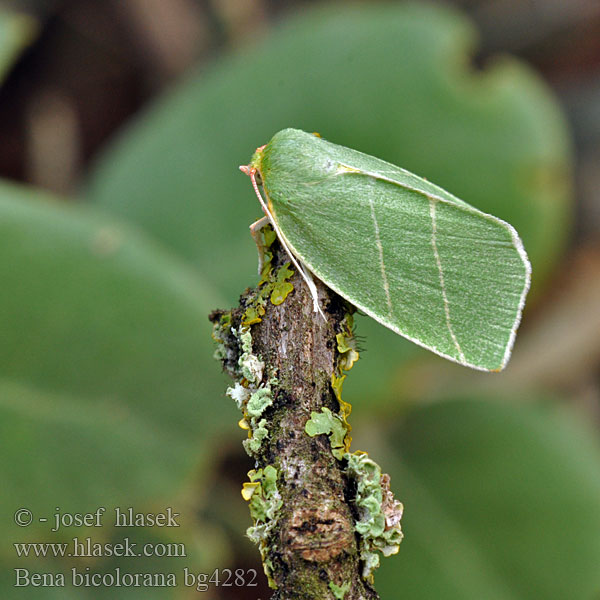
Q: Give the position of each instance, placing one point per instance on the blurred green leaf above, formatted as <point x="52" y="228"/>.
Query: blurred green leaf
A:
<point x="390" y="80"/>
<point x="502" y="501"/>
<point x="81" y="453"/>
<point x="108" y="393"/>
<point x="16" y="32"/>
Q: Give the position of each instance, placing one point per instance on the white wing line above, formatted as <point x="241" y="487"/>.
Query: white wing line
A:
<point x="386" y="285"/>
<point x="443" y="286"/>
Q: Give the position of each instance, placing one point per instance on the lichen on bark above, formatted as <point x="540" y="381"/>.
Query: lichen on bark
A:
<point x="288" y="365"/>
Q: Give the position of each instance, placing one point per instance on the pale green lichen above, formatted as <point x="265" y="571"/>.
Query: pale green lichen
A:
<point x="259" y="401"/>
<point x="250" y="395"/>
<point x="220" y="332"/>
<point x="265" y="502"/>
<point x="340" y="591"/>
<point x="250" y="365"/>
<point x="259" y="433"/>
<point x="220" y="352"/>
<point x="327" y="423"/>
<point x="378" y="524"/>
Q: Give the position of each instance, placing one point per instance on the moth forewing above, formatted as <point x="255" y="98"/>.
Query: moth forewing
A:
<point x="412" y="256"/>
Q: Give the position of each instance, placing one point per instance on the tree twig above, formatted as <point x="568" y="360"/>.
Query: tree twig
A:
<point x="305" y="500"/>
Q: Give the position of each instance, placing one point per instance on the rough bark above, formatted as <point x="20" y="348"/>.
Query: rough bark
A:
<point x="313" y="543"/>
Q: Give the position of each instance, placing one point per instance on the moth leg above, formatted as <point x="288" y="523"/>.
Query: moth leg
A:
<point x="258" y="240"/>
<point x="305" y="273"/>
<point x="313" y="290"/>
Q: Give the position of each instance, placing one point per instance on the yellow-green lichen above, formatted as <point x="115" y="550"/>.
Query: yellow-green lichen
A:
<point x="346" y="344"/>
<point x="269" y="236"/>
<point x="327" y="423"/>
<point x="336" y="384"/>
<point x="347" y="356"/>
<point x="282" y="287"/>
<point x="256" y="310"/>
<point x="248" y="489"/>
<point x="345" y="407"/>
<point x="270" y="287"/>
<point x="253" y="314"/>
<point x="378" y="524"/>
<point x="340" y="591"/>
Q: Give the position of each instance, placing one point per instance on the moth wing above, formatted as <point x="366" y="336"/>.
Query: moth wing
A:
<point x="440" y="273"/>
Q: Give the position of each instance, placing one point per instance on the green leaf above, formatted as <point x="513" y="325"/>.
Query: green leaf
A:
<point x="494" y="138"/>
<point x="107" y="388"/>
<point x="502" y="501"/>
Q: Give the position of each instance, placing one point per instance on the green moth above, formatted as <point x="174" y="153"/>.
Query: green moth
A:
<point x="420" y="261"/>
